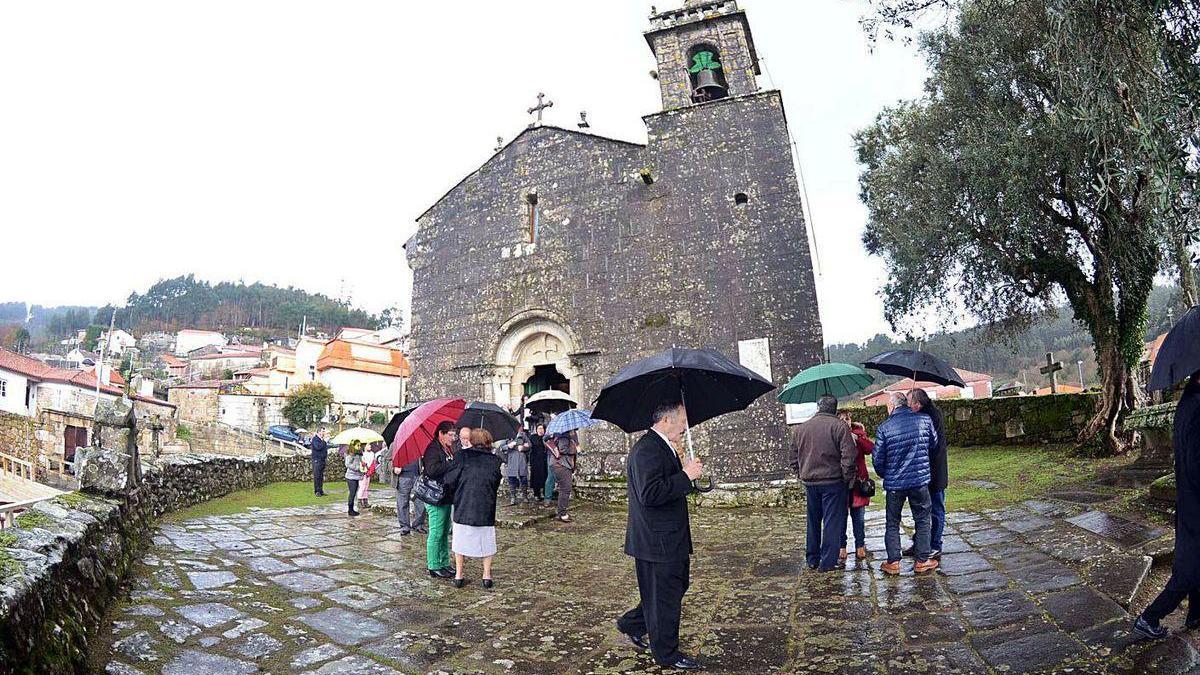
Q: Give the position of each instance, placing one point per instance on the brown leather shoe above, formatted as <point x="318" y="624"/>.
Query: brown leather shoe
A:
<point x="860" y="553"/>
<point x="892" y="568"/>
<point x="927" y="566"/>
<point x="842" y="557"/>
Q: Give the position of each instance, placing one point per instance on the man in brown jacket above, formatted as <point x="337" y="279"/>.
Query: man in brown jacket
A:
<point x="823" y="454"/>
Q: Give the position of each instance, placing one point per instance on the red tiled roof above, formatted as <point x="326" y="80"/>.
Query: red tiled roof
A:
<point x="340" y="354"/>
<point x="172" y="361"/>
<point x="36" y="370"/>
<point x="228" y="355"/>
<point x="907" y="383"/>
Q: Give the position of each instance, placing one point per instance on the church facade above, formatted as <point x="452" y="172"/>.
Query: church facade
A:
<point x="568" y="255"/>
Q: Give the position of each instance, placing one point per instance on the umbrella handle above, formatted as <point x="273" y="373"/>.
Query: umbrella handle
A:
<point x="709" y="487"/>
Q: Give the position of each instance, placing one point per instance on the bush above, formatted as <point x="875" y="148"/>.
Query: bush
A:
<point x="306" y="404"/>
<point x="378" y="417"/>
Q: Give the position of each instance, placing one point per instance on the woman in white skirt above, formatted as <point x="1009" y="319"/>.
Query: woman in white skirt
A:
<point x="474" y="484"/>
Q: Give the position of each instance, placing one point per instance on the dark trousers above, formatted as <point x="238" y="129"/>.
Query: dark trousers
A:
<point x="826" y="523"/>
<point x="661" y="586"/>
<point x="318" y="475"/>
<point x="352" y="485"/>
<point x="937" y="519"/>
<point x="563" y="477"/>
<point x="919" y="504"/>
<point x="1170" y="598"/>
<point x="518" y="482"/>
<point x="858" y="522"/>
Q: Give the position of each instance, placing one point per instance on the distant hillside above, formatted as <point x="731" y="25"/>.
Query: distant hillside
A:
<point x="185" y="302"/>
<point x="1014" y="357"/>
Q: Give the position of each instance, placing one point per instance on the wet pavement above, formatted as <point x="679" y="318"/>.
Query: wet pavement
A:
<point x="1035" y="587"/>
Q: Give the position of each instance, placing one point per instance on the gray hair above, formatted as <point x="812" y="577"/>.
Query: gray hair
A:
<point x="663" y="409"/>
<point x="899" y="399"/>
<point x="827" y="404"/>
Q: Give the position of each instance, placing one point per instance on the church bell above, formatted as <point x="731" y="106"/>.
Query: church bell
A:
<point x="707" y="86"/>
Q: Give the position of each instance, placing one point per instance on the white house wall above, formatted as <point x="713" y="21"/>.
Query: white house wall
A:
<point x="349" y="386"/>
<point x="13" y="400"/>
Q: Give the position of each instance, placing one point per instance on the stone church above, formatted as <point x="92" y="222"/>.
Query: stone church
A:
<point x="568" y="255"/>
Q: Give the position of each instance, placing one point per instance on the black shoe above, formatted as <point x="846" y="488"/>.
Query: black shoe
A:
<point x="639" y="641"/>
<point x="422" y="529"/>
<point x="1191" y="624"/>
<point x="684" y="663"/>
<point x="450" y="570"/>
<point x="812" y="566"/>
<point x="459" y="583"/>
<point x="909" y="552"/>
<point x="352" y="513"/>
<point x="441" y="574"/>
<point x="488" y="583"/>
<point x="1142" y="627"/>
<point x="405" y="532"/>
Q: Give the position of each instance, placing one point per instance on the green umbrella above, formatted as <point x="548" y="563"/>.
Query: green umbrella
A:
<point x="835" y="379"/>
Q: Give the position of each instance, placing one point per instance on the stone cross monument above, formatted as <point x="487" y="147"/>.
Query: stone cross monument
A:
<point x="1051" y="368"/>
<point x="541" y="106"/>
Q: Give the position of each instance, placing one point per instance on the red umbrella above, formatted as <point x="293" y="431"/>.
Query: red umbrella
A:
<point x="417" y="430"/>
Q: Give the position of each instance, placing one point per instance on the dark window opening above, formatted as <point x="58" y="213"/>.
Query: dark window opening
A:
<point x="706" y="73"/>
<point x="533" y="218"/>
<point x="740" y="198"/>
<point x="546" y="377"/>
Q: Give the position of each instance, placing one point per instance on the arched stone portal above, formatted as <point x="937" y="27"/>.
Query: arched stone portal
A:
<point x="530" y="342"/>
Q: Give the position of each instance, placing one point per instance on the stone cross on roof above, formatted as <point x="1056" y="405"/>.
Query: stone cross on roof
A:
<point x="1051" y="368"/>
<point x="541" y="105"/>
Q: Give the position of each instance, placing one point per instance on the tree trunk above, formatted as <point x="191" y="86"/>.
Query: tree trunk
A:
<point x="1115" y="380"/>
<point x="1187" y="274"/>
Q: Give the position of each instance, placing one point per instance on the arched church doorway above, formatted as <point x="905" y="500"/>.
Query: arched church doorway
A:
<point x="532" y="355"/>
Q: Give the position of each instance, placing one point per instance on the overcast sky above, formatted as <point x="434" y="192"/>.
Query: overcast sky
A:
<point x="295" y="142"/>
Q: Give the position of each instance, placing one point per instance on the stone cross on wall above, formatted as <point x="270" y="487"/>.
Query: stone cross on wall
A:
<point x="1051" y="368"/>
<point x="541" y="105"/>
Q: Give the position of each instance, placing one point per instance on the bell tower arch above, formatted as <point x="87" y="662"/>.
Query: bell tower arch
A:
<point x="705" y="52"/>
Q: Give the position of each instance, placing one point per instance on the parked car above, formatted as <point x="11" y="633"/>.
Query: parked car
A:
<point x="284" y="432"/>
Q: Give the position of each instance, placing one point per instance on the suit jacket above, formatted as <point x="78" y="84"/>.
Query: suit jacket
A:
<point x="658" y="528"/>
<point x="319" y="448"/>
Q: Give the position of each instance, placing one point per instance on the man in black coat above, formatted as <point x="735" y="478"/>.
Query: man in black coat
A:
<point x="320" y="452"/>
<point x="1185" y="568"/>
<point x="659" y="537"/>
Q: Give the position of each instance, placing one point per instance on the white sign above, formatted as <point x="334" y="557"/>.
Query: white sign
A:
<point x="798" y="413"/>
<point x="756" y="355"/>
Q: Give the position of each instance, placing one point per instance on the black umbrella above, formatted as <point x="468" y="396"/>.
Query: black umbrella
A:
<point x="1179" y="356"/>
<point x="920" y="366"/>
<point x="707" y="382"/>
<point x="389" y="432"/>
<point x="499" y="422"/>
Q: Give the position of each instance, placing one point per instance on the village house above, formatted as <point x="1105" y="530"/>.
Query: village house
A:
<point x="363" y="373"/>
<point x="213" y="366"/>
<point x="979" y="385"/>
<point x="117" y="342"/>
<point x="279" y="374"/>
<point x="175" y="366"/>
<point x="189" y="340"/>
<point x="60" y="402"/>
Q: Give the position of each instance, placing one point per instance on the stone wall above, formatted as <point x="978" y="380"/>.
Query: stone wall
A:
<point x="1005" y="420"/>
<point x="65" y="561"/>
<point x="17" y="436"/>
<point x="194" y="405"/>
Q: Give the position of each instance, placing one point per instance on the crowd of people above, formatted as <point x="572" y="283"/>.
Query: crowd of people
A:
<point x="828" y="454"/>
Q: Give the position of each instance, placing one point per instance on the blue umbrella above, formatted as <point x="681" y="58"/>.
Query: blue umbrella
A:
<point x="570" y="420"/>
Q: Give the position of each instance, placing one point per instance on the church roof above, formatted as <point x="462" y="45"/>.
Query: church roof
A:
<point x="523" y="133"/>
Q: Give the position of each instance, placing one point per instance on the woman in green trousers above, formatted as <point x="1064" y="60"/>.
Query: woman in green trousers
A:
<point x="436" y="463"/>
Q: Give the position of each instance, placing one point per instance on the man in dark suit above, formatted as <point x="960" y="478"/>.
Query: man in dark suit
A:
<point x="320" y="452"/>
<point x="659" y="537"/>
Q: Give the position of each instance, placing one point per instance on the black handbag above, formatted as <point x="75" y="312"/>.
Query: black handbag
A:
<point x="865" y="488"/>
<point x="429" y="490"/>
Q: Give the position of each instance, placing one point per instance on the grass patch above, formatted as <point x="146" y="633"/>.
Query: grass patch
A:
<point x="1021" y="472"/>
<point x="7" y="539"/>
<point x="273" y="496"/>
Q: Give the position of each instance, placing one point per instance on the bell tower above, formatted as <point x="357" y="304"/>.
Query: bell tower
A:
<point x="705" y="52"/>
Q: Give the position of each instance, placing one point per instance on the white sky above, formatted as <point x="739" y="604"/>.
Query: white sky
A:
<point x="294" y="142"/>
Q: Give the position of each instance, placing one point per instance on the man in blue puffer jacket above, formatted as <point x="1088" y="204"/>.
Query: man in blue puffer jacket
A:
<point x="901" y="458"/>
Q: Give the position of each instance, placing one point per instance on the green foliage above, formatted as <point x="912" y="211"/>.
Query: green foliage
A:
<point x="7" y="539"/>
<point x="186" y="302"/>
<point x="91" y="337"/>
<point x="1004" y="189"/>
<point x="306" y="404"/>
<point x="183" y="433"/>
<point x="378" y="417"/>
<point x="227" y="374"/>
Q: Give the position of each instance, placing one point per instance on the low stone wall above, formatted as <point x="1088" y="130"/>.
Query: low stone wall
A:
<point x="64" y="562"/>
<point x="1005" y="420"/>
<point x="778" y="493"/>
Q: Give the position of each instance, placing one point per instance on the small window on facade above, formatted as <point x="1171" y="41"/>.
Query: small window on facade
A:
<point x="3" y="388"/>
<point x="532" y="218"/>
<point x="740" y="198"/>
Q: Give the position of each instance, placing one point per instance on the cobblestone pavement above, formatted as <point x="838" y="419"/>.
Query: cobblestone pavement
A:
<point x="1034" y="587"/>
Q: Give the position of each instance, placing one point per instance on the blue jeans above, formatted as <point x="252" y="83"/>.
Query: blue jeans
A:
<point x="918" y="503"/>
<point x="858" y="516"/>
<point x="550" y="481"/>
<point x="937" y="519"/>
<point x="826" y="524"/>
